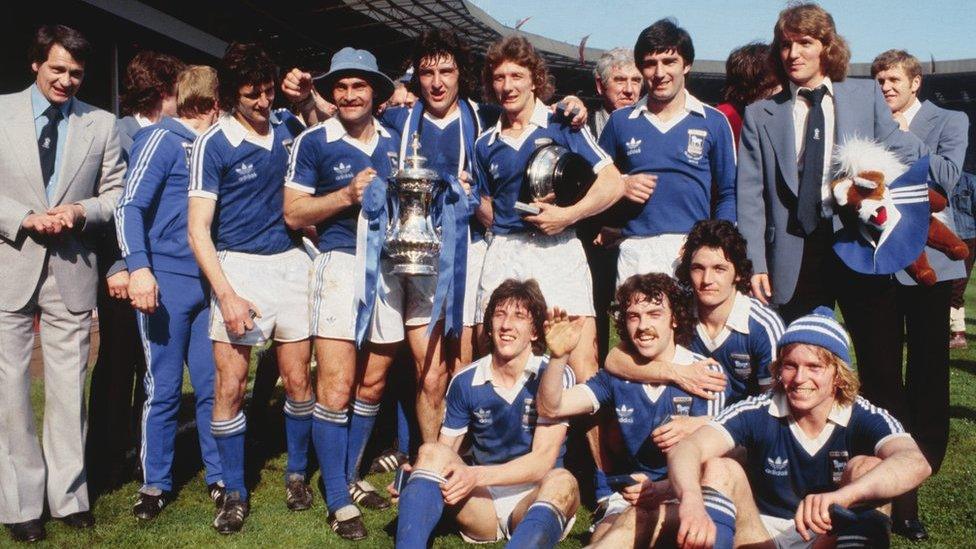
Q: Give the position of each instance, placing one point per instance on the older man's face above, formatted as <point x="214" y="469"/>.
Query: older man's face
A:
<point x="622" y="88"/>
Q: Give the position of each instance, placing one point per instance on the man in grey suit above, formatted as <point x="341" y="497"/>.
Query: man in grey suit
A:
<point x="62" y="170"/>
<point x="920" y="400"/>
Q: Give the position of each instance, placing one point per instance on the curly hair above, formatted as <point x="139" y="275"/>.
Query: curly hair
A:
<point x="655" y="288"/>
<point x="525" y="294"/>
<point x="720" y="234"/>
<point x="811" y="20"/>
<point x="243" y="64"/>
<point x="66" y="37"/>
<point x="662" y="36"/>
<point x="518" y="50"/>
<point x="437" y="43"/>
<point x="847" y="383"/>
<point x="748" y="75"/>
<point x="149" y="77"/>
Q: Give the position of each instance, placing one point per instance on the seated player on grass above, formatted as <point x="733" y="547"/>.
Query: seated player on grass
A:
<point x="515" y="488"/>
<point x="652" y="315"/>
<point x="812" y="442"/>
<point x="737" y="331"/>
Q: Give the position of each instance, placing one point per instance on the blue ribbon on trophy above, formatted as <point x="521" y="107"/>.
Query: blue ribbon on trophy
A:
<point x="373" y="219"/>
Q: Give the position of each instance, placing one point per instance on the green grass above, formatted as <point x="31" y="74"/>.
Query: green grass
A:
<point x="948" y="501"/>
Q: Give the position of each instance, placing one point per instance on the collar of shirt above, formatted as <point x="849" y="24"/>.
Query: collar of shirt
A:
<point x="142" y="120"/>
<point x="794" y="89"/>
<point x="334" y="131"/>
<point x="443" y="122"/>
<point x="738" y="320"/>
<point x="40" y="103"/>
<point x="483" y="372"/>
<point x="779" y="406"/>
<point x="910" y="112"/>
<point x="236" y="133"/>
<point x="692" y="105"/>
<point x="186" y="125"/>
<point x="539" y="119"/>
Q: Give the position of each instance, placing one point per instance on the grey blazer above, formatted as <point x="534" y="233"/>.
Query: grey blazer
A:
<point x="768" y="177"/>
<point x="946" y="135"/>
<point x="91" y="174"/>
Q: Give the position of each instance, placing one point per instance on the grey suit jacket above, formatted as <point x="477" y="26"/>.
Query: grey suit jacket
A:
<point x="768" y="177"/>
<point x="91" y="174"/>
<point x="946" y="135"/>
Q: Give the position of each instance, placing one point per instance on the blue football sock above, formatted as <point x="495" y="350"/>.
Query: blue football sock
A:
<point x="421" y="505"/>
<point x="601" y="489"/>
<point x="360" y="427"/>
<point x="542" y="526"/>
<point x="403" y="428"/>
<point x="330" y="435"/>
<point x="229" y="436"/>
<point x="722" y="512"/>
<point x="298" y="431"/>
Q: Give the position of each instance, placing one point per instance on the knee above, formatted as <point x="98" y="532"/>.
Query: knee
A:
<point x="723" y="474"/>
<point x="229" y="390"/>
<point x="857" y="467"/>
<point x="296" y="382"/>
<point x="559" y="487"/>
<point x="434" y="381"/>
<point x="434" y="456"/>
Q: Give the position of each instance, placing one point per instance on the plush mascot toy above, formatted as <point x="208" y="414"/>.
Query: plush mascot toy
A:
<point x="886" y="210"/>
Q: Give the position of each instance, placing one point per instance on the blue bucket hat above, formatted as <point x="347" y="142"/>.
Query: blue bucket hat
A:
<point x="820" y="329"/>
<point x="352" y="62"/>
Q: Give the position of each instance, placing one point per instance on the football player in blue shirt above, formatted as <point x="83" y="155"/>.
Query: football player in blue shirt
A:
<point x="737" y="331"/>
<point x="652" y="315"/>
<point x="811" y="441"/>
<point x="674" y="149"/>
<point x="331" y="165"/>
<point x="516" y="487"/>
<point x="171" y="302"/>
<point x="258" y="277"/>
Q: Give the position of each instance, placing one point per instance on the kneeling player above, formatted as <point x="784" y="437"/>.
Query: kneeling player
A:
<point x="812" y="442"/>
<point x="652" y="313"/>
<point x="512" y="490"/>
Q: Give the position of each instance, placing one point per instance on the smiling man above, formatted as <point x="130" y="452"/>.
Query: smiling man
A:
<point x="673" y="148"/>
<point x="516" y="487"/>
<point x="258" y="278"/>
<point x="811" y="441"/>
<point x="651" y="318"/>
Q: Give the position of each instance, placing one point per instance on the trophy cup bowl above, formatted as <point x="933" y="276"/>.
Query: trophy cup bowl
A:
<point x="411" y="241"/>
<point x="554" y="174"/>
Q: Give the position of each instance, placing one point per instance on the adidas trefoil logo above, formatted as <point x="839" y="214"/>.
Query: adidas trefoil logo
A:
<point x="341" y="168"/>
<point x="633" y="146"/>
<point x="625" y="414"/>
<point x="245" y="172"/>
<point x="483" y="415"/>
<point x="777" y="467"/>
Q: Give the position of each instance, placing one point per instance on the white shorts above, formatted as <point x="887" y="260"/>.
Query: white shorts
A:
<point x="649" y="254"/>
<point x="505" y="499"/>
<point x="277" y="284"/>
<point x="476" y="259"/>
<point x="556" y="262"/>
<point x="783" y="533"/>
<point x="333" y="306"/>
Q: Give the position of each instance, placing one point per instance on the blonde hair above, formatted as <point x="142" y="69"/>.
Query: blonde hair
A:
<point x="846" y="382"/>
<point x="196" y="91"/>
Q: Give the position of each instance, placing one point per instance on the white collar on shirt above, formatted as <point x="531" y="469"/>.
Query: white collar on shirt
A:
<point x="779" y="406"/>
<point x="334" y="131"/>
<point x="484" y="374"/>
<point x="682" y="356"/>
<point x="738" y="320"/>
<point x="142" y="120"/>
<point x="910" y="112"/>
<point x="692" y="105"/>
<point x="236" y="133"/>
<point x="443" y="122"/>
<point x="794" y="89"/>
<point x="539" y="119"/>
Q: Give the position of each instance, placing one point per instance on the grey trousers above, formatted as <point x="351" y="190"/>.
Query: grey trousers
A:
<point x="57" y="463"/>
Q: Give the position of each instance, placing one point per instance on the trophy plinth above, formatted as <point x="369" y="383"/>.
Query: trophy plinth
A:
<point x="412" y="242"/>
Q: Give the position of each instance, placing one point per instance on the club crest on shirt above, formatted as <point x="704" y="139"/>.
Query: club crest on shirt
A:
<point x="777" y="467"/>
<point x="342" y="171"/>
<point x="483" y="415"/>
<point x="529" y="414"/>
<point x="838" y="463"/>
<point x="696" y="145"/>
<point x="625" y="414"/>
<point x="493" y="170"/>
<point x="681" y="406"/>
<point x="633" y="146"/>
<point x="187" y="149"/>
<point x="245" y="172"/>
<point x="741" y="365"/>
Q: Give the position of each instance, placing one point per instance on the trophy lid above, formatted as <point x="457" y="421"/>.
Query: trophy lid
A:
<point x="415" y="164"/>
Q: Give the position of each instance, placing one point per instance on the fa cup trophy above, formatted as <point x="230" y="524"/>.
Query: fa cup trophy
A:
<point x="411" y="240"/>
